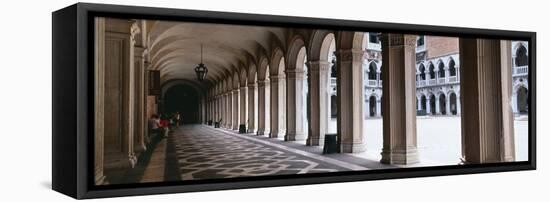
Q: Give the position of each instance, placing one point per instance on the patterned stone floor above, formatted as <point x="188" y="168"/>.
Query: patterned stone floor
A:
<point x="205" y="153"/>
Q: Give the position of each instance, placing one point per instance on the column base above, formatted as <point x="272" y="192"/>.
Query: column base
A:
<point x="140" y="147"/>
<point x="251" y="130"/>
<point x="315" y="141"/>
<point x="295" y="137"/>
<point x="260" y="132"/>
<point x="353" y="148"/>
<point x="275" y="134"/>
<point x="100" y="180"/>
<point x="402" y="157"/>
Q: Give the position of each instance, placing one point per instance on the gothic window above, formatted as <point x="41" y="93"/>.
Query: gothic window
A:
<point x="521" y="56"/>
<point x="373" y="37"/>
<point x="452" y="69"/>
<point x="372" y="71"/>
<point x="441" y="70"/>
<point x="432" y="71"/>
<point x="420" y="41"/>
<point x="422" y="72"/>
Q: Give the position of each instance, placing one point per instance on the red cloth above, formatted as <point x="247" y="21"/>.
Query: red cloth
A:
<point x="164" y="123"/>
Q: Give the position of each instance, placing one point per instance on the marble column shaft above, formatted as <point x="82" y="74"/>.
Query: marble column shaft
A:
<point x="399" y="120"/>
<point x="236" y="111"/>
<point x="295" y="109"/>
<point x="318" y="76"/>
<point x="487" y="119"/>
<point x="252" y="107"/>
<point x="351" y="97"/>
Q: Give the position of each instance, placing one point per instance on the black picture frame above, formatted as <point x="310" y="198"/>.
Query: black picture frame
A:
<point x="73" y="93"/>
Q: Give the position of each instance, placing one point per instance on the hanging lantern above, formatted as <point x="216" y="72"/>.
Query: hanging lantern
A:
<point x="201" y="70"/>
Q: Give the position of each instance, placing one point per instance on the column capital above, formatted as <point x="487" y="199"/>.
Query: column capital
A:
<point x="350" y="54"/>
<point x="295" y="73"/>
<point x="318" y="65"/>
<point x="252" y="85"/>
<point x="398" y="39"/>
<point x="263" y="83"/>
<point x="276" y="78"/>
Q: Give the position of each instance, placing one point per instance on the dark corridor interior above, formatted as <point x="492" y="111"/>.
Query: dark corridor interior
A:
<point x="183" y="99"/>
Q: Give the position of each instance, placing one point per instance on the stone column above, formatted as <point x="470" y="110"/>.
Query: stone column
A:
<point x="378" y="107"/>
<point x="437" y="109"/>
<point x="236" y="110"/>
<point x="515" y="103"/>
<point x="367" y="108"/>
<point x="399" y="120"/>
<point x="99" y="38"/>
<point x="458" y="101"/>
<point x="295" y="109"/>
<point x="447" y="74"/>
<point x="229" y="110"/>
<point x="419" y="105"/>
<point x="228" y="117"/>
<point x="318" y="76"/>
<point x="243" y="106"/>
<point x="276" y="98"/>
<point x="261" y="107"/>
<point x="351" y="97"/>
<point x="487" y="120"/>
<point x="129" y="119"/>
<point x="252" y="107"/>
<point x="428" y="105"/>
<point x="448" y="105"/>
<point x="141" y="124"/>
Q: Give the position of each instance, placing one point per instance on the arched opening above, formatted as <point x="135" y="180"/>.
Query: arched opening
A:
<point x="305" y="106"/>
<point x="453" y="104"/>
<point x="452" y="68"/>
<point x="442" y="104"/>
<point x="183" y="99"/>
<point x="522" y="100"/>
<point x="441" y="70"/>
<point x="422" y="70"/>
<point x="521" y="56"/>
<point x="282" y="97"/>
<point x="432" y="71"/>
<point x="332" y="86"/>
<point x="372" y="106"/>
<point x="432" y="104"/>
<point x="372" y="71"/>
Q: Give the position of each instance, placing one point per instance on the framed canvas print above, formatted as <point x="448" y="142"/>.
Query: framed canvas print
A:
<point x="157" y="100"/>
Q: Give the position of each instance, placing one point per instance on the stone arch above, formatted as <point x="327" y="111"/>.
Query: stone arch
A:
<point x="346" y="40"/>
<point x="263" y="68"/>
<point x="235" y="80"/>
<point x="319" y="45"/>
<point x="252" y="77"/>
<point x="277" y="65"/>
<point x="243" y="76"/>
<point x="296" y="53"/>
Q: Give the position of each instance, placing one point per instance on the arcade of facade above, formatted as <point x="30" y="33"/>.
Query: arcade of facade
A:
<point x="257" y="76"/>
<point x="437" y="77"/>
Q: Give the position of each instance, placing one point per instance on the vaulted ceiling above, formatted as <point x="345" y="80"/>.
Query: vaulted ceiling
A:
<point x="174" y="47"/>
